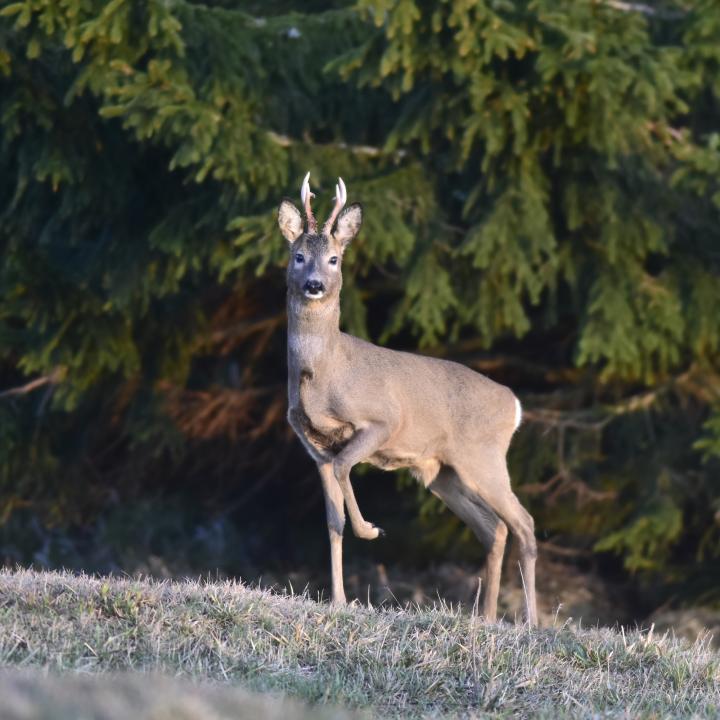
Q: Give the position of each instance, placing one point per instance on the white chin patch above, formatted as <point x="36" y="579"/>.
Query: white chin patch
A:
<point x="314" y="296"/>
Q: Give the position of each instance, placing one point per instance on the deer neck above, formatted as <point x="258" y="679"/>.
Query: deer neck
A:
<point x="313" y="333"/>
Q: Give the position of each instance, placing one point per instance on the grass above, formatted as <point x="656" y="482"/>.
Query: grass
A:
<point x="26" y="695"/>
<point x="393" y="663"/>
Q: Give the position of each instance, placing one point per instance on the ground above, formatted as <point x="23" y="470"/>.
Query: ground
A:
<point x="400" y="663"/>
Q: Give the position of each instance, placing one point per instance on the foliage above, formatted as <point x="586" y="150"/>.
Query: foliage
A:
<point x="542" y="195"/>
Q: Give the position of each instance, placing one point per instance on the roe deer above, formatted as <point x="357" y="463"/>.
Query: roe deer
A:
<point x="352" y="402"/>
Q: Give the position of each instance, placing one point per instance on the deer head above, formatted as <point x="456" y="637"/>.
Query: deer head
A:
<point x="314" y="269"/>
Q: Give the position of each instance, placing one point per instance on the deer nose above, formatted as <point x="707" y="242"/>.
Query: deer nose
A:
<point x="313" y="287"/>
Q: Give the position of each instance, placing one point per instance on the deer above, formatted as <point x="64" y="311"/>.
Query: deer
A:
<point x="351" y="402"/>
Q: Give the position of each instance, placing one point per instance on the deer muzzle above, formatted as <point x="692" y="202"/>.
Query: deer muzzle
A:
<point x="314" y="289"/>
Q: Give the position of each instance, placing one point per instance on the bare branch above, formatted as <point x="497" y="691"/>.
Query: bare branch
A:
<point x="667" y="133"/>
<point x="367" y="150"/>
<point x="554" y="549"/>
<point x="560" y="419"/>
<point x="644" y="9"/>
<point x="51" y="379"/>
<point x="231" y="335"/>
<point x="702" y="384"/>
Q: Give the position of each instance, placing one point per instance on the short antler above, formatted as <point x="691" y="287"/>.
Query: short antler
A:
<point x="340" y="200"/>
<point x="306" y="196"/>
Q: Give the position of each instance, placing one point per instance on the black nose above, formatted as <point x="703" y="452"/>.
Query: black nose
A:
<point x="313" y="287"/>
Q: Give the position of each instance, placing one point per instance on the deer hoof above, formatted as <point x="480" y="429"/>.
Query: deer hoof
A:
<point x="369" y="532"/>
<point x="376" y="532"/>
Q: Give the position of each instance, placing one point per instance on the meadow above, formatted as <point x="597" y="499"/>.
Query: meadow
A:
<point x="113" y="646"/>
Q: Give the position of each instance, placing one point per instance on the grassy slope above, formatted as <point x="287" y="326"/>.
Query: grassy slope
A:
<point x="394" y="662"/>
<point x="34" y="696"/>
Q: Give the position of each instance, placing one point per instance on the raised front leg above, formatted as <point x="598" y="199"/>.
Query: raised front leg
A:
<point x="335" y="511"/>
<point x="361" y="446"/>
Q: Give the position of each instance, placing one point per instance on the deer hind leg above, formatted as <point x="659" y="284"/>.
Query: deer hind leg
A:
<point x="487" y="527"/>
<point x="335" y="512"/>
<point x="489" y="479"/>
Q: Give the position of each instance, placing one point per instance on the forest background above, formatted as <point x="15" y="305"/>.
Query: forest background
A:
<point x="541" y="183"/>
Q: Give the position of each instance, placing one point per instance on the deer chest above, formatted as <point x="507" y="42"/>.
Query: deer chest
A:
<point x="324" y="432"/>
<point x="318" y="420"/>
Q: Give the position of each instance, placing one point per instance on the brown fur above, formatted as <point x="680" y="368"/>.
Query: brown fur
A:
<point x="351" y="402"/>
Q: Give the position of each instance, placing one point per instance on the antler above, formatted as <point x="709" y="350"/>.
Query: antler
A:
<point x="340" y="200"/>
<point x="306" y="196"/>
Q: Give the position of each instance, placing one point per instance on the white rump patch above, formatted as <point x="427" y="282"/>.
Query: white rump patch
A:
<point x="518" y="413"/>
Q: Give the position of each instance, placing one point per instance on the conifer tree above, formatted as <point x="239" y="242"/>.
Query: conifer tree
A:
<point x="542" y="195"/>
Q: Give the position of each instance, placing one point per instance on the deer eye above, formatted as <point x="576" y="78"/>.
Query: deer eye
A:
<point x="333" y="260"/>
<point x="299" y="258"/>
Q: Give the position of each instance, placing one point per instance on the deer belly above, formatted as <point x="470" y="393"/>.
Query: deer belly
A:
<point x="388" y="461"/>
<point x="392" y="461"/>
<point x="423" y="469"/>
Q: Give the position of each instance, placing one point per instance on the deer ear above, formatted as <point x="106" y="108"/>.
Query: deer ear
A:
<point x="348" y="224"/>
<point x="290" y="221"/>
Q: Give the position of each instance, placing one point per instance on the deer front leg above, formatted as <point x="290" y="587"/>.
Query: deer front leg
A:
<point x="335" y="512"/>
<point x="362" y="445"/>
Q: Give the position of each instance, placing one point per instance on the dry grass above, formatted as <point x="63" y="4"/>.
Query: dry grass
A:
<point x="396" y="663"/>
<point x="34" y="696"/>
